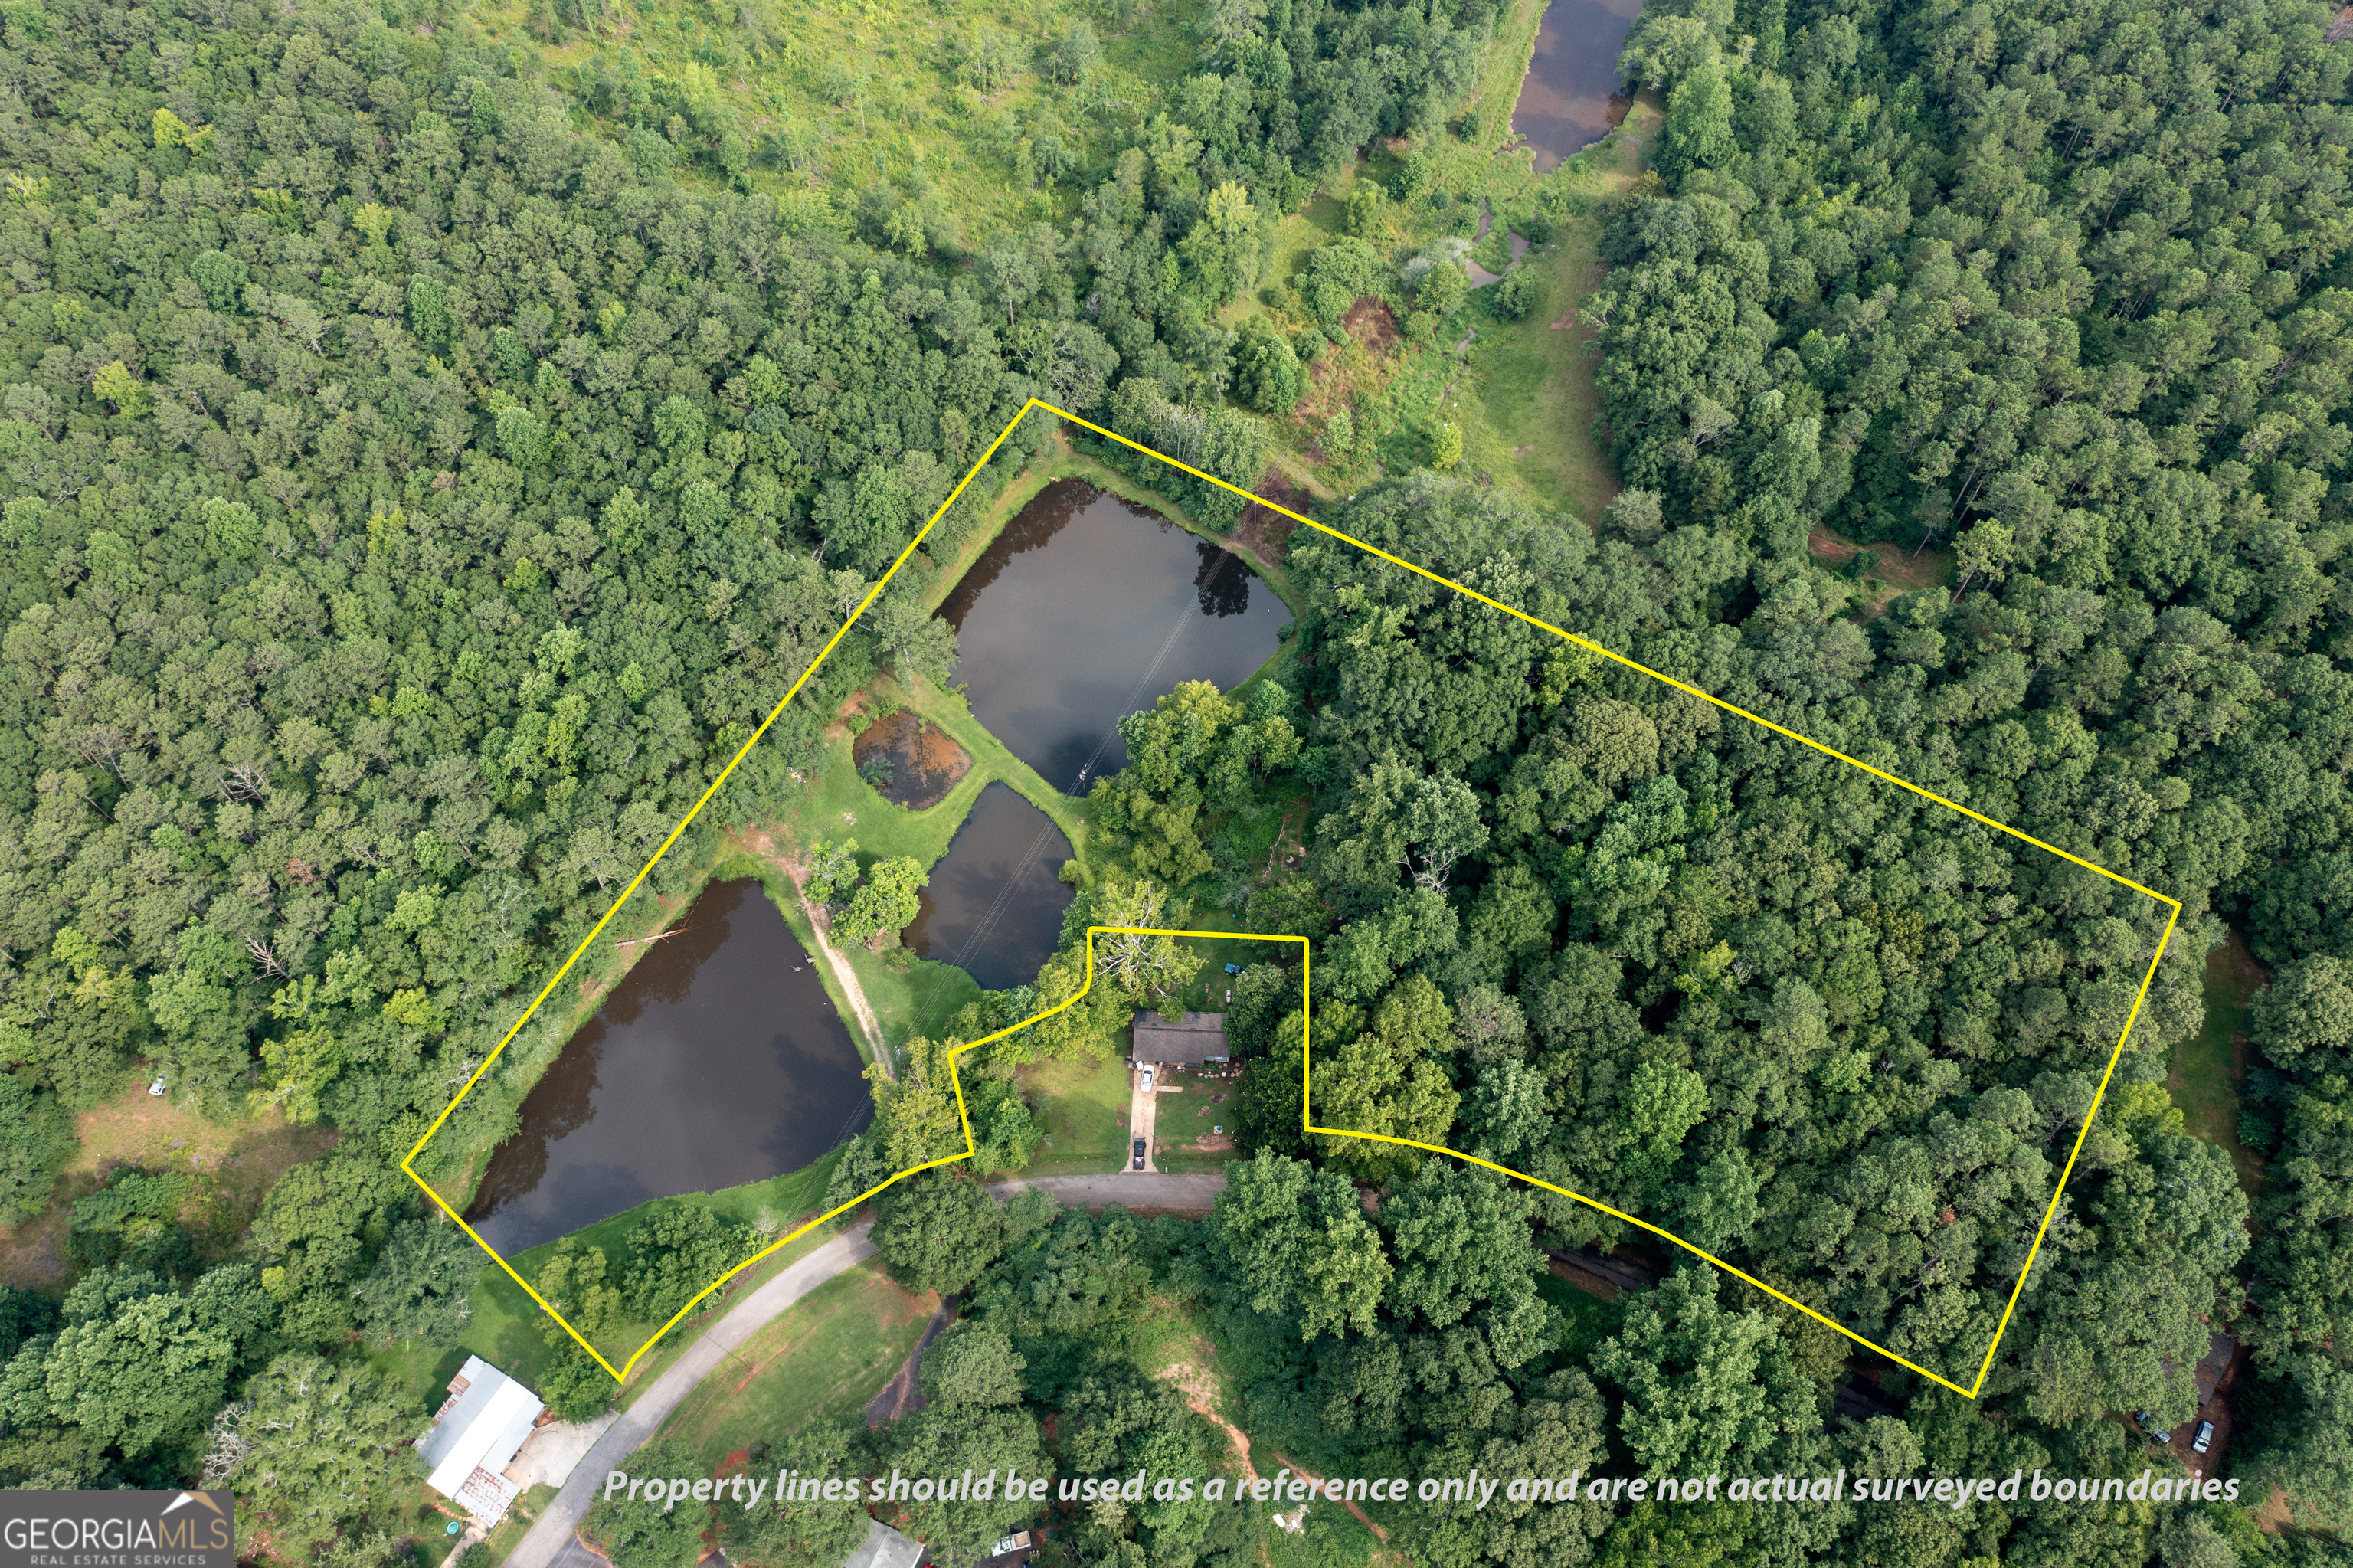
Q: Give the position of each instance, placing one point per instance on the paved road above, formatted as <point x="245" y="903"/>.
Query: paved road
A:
<point x="1137" y="1189"/>
<point x="550" y="1544"/>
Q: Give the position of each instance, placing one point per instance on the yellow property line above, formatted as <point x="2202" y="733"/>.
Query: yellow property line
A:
<point x="1306" y="1113"/>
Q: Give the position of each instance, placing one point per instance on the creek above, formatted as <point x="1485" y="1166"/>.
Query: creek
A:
<point x="718" y="1060"/>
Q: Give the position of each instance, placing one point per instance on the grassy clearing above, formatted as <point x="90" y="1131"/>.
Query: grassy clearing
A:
<point x="822" y="1360"/>
<point x="1883" y="570"/>
<point x="1521" y="392"/>
<point x="1530" y="400"/>
<point x="1589" y="1319"/>
<point x="2207" y="1067"/>
<point x="911" y="996"/>
<point x="1192" y="1105"/>
<point x="505" y="1327"/>
<point x="230" y="1167"/>
<point x="1208" y="991"/>
<point x="831" y="97"/>
<point x="1084" y="1113"/>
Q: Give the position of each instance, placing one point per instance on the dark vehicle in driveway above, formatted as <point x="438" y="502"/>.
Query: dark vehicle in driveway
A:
<point x="1139" y="1154"/>
<point x="2203" y="1438"/>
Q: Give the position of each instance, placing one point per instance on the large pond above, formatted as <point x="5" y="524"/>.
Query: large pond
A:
<point x="1086" y="608"/>
<point x="1572" y="95"/>
<point x="718" y="1060"/>
<point x="995" y="905"/>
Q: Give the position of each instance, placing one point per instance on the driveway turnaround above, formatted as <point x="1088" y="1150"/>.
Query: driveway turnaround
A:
<point x="552" y="1545"/>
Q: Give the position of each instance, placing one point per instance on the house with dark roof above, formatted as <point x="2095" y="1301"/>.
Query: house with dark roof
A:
<point x="1189" y="1042"/>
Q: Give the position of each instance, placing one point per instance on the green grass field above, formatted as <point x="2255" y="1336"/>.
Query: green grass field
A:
<point x="1084" y="1114"/>
<point x="829" y="97"/>
<point x="505" y="1327"/>
<point x="823" y="1359"/>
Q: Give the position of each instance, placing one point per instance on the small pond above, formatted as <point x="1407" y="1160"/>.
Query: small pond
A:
<point x="1086" y="608"/>
<point x="1572" y="95"/>
<point x="910" y="761"/>
<point x="718" y="1060"/>
<point x="995" y="905"/>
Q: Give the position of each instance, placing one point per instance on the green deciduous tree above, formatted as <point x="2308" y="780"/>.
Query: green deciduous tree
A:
<point x="888" y="901"/>
<point x="800" y="1534"/>
<point x="635" y="1533"/>
<point x="1300" y="1246"/>
<point x="419" y="1290"/>
<point x="936" y="1231"/>
<point x="313" y="1447"/>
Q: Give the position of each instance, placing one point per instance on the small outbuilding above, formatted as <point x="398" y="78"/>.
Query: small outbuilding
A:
<point x="885" y="1547"/>
<point x="1190" y="1041"/>
<point x="474" y="1437"/>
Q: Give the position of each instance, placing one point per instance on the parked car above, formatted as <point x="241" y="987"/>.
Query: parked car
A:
<point x="2148" y="1425"/>
<point x="2203" y="1438"/>
<point x="1139" y="1154"/>
<point x="157" y="1086"/>
<point x="1148" y="1078"/>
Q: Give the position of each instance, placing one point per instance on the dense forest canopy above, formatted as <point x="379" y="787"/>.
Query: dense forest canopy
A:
<point x="421" y="475"/>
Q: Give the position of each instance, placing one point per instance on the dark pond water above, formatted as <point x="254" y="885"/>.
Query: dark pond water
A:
<point x="718" y="1060"/>
<point x="1086" y="608"/>
<point x="1572" y="94"/>
<point x="995" y="905"/>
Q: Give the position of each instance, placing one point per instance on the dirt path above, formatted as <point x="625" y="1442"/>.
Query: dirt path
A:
<point x="849" y="986"/>
<point x="1193" y="1384"/>
<point x="1349" y="1503"/>
<point x="761" y="844"/>
<point x="902" y="1395"/>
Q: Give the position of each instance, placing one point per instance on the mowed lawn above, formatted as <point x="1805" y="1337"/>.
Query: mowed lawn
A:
<point x="505" y="1327"/>
<point x="1084" y="1113"/>
<point x="825" y="1358"/>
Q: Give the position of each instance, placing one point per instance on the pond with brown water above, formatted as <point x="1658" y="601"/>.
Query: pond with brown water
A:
<point x="1573" y="95"/>
<point x="717" y="1061"/>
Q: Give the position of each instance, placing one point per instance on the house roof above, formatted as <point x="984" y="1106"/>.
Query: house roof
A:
<point x="481" y="1428"/>
<point x="885" y="1547"/>
<point x="1195" y="1037"/>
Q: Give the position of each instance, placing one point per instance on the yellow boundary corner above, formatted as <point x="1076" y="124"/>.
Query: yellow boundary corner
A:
<point x="1307" y="1114"/>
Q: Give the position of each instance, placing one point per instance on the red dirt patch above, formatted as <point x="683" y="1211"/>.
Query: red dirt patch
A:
<point x="1370" y="321"/>
<point x="1567" y="320"/>
<point x="1263" y="533"/>
<point x="924" y="762"/>
<point x="1895" y="565"/>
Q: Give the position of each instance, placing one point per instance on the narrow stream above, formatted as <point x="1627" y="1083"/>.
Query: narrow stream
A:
<point x="995" y="905"/>
<point x="1086" y="608"/>
<point x="1572" y="95"/>
<point x="718" y="1060"/>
